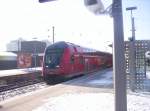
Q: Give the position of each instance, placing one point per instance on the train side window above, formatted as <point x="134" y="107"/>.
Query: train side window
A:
<point x="72" y="59"/>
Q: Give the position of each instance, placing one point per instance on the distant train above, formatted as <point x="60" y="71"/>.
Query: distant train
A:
<point x="8" y="60"/>
<point x="63" y="60"/>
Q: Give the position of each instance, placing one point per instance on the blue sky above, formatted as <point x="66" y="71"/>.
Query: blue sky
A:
<point x="73" y="22"/>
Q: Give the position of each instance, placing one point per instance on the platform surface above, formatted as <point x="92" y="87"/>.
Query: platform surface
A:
<point x="11" y="72"/>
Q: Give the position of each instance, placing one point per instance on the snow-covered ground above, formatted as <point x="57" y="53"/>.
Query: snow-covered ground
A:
<point x="105" y="79"/>
<point x="93" y="102"/>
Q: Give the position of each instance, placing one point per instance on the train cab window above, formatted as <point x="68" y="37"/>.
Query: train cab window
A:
<point x="53" y="57"/>
<point x="72" y="59"/>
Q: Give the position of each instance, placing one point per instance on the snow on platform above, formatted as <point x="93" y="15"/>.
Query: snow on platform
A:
<point x="93" y="102"/>
<point x="105" y="79"/>
<point x="100" y="101"/>
<point x="19" y="71"/>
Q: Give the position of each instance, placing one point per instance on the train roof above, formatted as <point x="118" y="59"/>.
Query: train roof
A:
<point x="63" y="44"/>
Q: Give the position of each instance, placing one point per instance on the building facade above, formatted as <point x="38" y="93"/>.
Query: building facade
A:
<point x="34" y="50"/>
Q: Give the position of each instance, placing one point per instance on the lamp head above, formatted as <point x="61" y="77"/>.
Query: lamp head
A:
<point x="94" y="6"/>
<point x="42" y="1"/>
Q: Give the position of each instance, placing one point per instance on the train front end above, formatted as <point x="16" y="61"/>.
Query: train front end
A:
<point x="52" y="67"/>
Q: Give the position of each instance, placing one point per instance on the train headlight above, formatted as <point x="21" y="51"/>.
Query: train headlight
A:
<point x="57" y="66"/>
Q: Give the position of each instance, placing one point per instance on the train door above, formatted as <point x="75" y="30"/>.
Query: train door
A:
<point x="75" y="63"/>
<point x="72" y="62"/>
<point x="79" y="63"/>
<point x="86" y="64"/>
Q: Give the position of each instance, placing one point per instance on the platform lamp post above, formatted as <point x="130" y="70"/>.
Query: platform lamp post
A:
<point x="53" y="31"/>
<point x="19" y="44"/>
<point x="53" y="34"/>
<point x="132" y="21"/>
<point x="115" y="10"/>
<point x="35" y="52"/>
<point x="118" y="49"/>
<point x="132" y="52"/>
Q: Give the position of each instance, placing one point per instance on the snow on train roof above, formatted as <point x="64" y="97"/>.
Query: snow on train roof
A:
<point x="8" y="56"/>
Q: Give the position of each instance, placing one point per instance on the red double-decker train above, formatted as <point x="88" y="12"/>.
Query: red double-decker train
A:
<point x="63" y="60"/>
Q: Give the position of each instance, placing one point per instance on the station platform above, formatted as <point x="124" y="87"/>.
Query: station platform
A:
<point x="91" y="83"/>
<point x="87" y="93"/>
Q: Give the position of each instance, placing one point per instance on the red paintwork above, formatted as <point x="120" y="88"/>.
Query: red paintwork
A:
<point x="83" y="62"/>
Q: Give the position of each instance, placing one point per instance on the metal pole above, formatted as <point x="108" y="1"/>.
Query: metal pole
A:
<point x="133" y="29"/>
<point x="119" y="58"/>
<point x="132" y="61"/>
<point x="35" y="54"/>
<point x="53" y="33"/>
<point x="18" y="45"/>
<point x="132" y="21"/>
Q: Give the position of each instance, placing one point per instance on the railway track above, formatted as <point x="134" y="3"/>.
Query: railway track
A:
<point x="18" y="88"/>
<point x="15" y="91"/>
<point x="12" y="79"/>
<point x="23" y="87"/>
<point x="17" y="84"/>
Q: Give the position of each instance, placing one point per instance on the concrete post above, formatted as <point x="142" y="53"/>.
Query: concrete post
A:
<point x="119" y="58"/>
